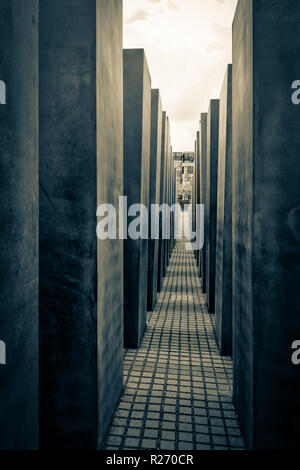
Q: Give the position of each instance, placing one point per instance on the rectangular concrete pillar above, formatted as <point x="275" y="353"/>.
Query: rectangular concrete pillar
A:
<point x="194" y="189"/>
<point x="19" y="400"/>
<point x="194" y="183"/>
<point x="166" y="194"/>
<point x="161" y="244"/>
<point x="223" y="296"/>
<point x="170" y="199"/>
<point x="197" y="172"/>
<point x="154" y="191"/>
<point x="137" y="127"/>
<point x="203" y="151"/>
<point x="211" y="201"/>
<point x="266" y="236"/>
<point x="81" y="161"/>
<point x="173" y="197"/>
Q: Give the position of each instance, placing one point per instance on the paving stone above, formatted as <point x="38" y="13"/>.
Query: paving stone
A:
<point x="203" y="438"/>
<point x="131" y="442"/>
<point x="148" y="444"/>
<point x="168" y="435"/>
<point x="151" y="433"/>
<point x="168" y="425"/>
<point x="220" y="440"/>
<point x="133" y="432"/>
<point x="185" y="436"/>
<point x="185" y="446"/>
<point x="167" y="445"/>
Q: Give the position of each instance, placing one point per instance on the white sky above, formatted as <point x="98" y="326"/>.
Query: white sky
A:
<point x="188" y="45"/>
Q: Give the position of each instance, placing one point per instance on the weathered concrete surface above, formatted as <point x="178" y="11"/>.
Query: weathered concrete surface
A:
<point x="166" y="194"/>
<point x="194" y="202"/>
<point x="223" y="297"/>
<point x="211" y="201"/>
<point x="194" y="196"/>
<point x="19" y="224"/>
<point x="266" y="174"/>
<point x="198" y="175"/>
<point x="203" y="151"/>
<point x="110" y="187"/>
<point x="154" y="191"/>
<point x="137" y="127"/>
<point x="173" y="171"/>
<point x="81" y="312"/>
<point x="161" y="244"/>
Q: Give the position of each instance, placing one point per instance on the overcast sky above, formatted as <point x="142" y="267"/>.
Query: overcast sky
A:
<point x="188" y="45"/>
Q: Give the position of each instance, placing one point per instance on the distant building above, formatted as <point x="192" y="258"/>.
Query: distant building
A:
<point x="184" y="165"/>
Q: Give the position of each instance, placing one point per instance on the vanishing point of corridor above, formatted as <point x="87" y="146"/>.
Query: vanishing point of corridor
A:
<point x="177" y="387"/>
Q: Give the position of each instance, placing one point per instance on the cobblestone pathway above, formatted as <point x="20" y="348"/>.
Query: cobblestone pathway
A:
<point x="177" y="392"/>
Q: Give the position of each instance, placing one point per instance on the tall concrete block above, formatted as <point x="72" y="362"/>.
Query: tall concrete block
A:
<point x="161" y="244"/>
<point x="266" y="175"/>
<point x="203" y="151"/>
<point x="197" y="172"/>
<point x="166" y="193"/>
<point x="81" y="304"/>
<point x="170" y="199"/>
<point x="137" y="128"/>
<point x="194" y="189"/>
<point x="223" y="296"/>
<point x="19" y="224"/>
<point x="110" y="186"/>
<point x="194" y="201"/>
<point x="172" y="218"/>
<point x="154" y="191"/>
<point x="174" y="201"/>
<point x="211" y="201"/>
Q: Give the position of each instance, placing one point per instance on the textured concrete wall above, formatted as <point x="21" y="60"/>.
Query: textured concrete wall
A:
<point x="242" y="126"/>
<point x="161" y="244"/>
<point x="198" y="176"/>
<point x="211" y="201"/>
<point x="223" y="296"/>
<point x="166" y="193"/>
<point x="195" y="192"/>
<point x="80" y="323"/>
<point x="137" y="127"/>
<point x="154" y="191"/>
<point x="266" y="176"/>
<point x="110" y="187"/>
<point x="203" y="151"/>
<point x="173" y="199"/>
<point x="19" y="224"/>
<point x="194" y="203"/>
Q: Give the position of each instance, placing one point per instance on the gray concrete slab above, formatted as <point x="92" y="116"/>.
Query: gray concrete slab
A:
<point x="166" y="193"/>
<point x="211" y="201"/>
<point x="80" y="318"/>
<point x="161" y="244"/>
<point x="19" y="224"/>
<point x="154" y="191"/>
<point x="223" y="296"/>
<point x="137" y="128"/>
<point x="198" y="175"/>
<point x="203" y="151"/>
<point x="194" y="201"/>
<point x="266" y="175"/>
<point x="110" y="187"/>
